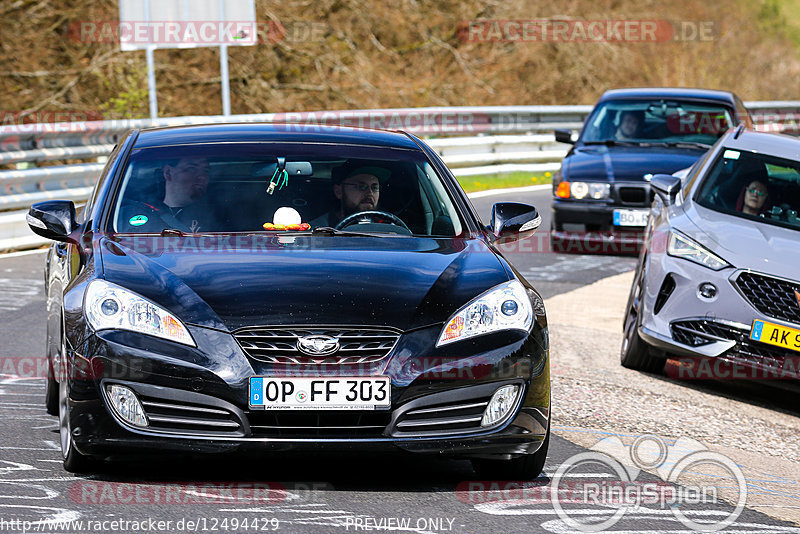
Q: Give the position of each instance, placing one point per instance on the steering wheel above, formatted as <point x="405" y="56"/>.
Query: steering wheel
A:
<point x="374" y="216"/>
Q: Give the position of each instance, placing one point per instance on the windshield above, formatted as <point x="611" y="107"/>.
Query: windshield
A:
<point x="657" y="121"/>
<point x="232" y="188"/>
<point x="754" y="186"/>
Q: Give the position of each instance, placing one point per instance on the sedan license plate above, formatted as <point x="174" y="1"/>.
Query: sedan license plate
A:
<point x="631" y="217"/>
<point x="776" y="334"/>
<point x="335" y="393"/>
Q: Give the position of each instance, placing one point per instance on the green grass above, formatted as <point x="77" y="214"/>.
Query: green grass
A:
<point x="504" y="180"/>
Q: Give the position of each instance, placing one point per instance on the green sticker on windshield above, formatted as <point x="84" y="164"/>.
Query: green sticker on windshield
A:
<point x="731" y="154"/>
<point x="137" y="220"/>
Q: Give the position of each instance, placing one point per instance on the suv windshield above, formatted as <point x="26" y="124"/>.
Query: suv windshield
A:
<point x="657" y="121"/>
<point x="249" y="187"/>
<point x="754" y="186"/>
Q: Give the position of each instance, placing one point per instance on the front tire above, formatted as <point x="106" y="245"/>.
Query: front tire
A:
<point x="635" y="353"/>
<point x="527" y="467"/>
<point x="74" y="460"/>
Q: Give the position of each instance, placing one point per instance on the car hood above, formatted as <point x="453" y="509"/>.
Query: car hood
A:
<point x="230" y="282"/>
<point x="747" y="244"/>
<point x="625" y="164"/>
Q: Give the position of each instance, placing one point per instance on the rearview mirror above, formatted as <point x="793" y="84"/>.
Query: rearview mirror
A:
<point x="666" y="187"/>
<point x="53" y="219"/>
<point x="564" y="136"/>
<point x="512" y="221"/>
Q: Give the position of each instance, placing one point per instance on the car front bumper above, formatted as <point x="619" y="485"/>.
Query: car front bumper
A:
<point x="197" y="401"/>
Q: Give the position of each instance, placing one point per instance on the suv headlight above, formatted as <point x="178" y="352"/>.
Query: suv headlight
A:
<point x="681" y="246"/>
<point x="108" y="305"/>
<point x="504" y="307"/>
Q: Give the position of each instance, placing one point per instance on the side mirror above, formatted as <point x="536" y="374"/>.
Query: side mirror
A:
<point x="512" y="221"/>
<point x="53" y="219"/>
<point x="666" y="186"/>
<point x="564" y="136"/>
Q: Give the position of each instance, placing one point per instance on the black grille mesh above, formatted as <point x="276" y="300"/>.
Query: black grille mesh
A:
<point x="771" y="296"/>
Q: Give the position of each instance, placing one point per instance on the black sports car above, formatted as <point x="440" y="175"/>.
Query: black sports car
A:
<point x="272" y="287"/>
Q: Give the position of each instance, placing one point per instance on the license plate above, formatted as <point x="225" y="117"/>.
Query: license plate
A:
<point x="776" y="334"/>
<point x="339" y="393"/>
<point x="631" y="217"/>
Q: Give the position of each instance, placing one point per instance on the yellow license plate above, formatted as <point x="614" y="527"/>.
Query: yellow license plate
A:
<point x="776" y="334"/>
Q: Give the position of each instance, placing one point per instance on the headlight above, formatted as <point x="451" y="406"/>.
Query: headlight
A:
<point x="581" y="190"/>
<point x="504" y="307"/>
<point x="108" y="305"/>
<point x="578" y="190"/>
<point x="599" y="191"/>
<point x="681" y="246"/>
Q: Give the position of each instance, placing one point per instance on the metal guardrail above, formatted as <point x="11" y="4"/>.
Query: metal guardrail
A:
<point x="471" y="140"/>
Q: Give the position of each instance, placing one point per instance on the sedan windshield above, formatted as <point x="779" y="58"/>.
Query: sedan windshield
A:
<point x="289" y="187"/>
<point x="754" y="186"/>
<point x="657" y="121"/>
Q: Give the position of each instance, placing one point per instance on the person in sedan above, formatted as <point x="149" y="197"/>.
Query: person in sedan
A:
<point x="753" y="200"/>
<point x="630" y="124"/>
<point x="356" y="190"/>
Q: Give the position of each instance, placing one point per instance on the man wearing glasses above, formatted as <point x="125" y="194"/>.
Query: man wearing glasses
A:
<point x="357" y="190"/>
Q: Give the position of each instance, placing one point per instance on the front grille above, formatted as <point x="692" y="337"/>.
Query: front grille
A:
<point x="185" y="418"/>
<point x="703" y="332"/>
<point x="357" y="345"/>
<point x="463" y="416"/>
<point x="318" y="423"/>
<point x="633" y="195"/>
<point x="771" y="296"/>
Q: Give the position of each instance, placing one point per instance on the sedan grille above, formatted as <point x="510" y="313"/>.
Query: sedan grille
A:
<point x="184" y="418"/>
<point x="774" y="297"/>
<point x="278" y="345"/>
<point x="702" y="332"/>
<point x="318" y="423"/>
<point x="443" y="419"/>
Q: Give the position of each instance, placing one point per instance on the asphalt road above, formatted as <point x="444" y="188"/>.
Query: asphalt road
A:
<point x="301" y="493"/>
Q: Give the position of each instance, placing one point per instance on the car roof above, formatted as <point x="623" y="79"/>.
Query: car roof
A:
<point x="271" y="133"/>
<point x="668" y="92"/>
<point x="773" y="144"/>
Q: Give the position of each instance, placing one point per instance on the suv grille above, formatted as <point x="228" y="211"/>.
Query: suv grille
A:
<point x="771" y="296"/>
<point x="702" y="332"/>
<point x="278" y="345"/>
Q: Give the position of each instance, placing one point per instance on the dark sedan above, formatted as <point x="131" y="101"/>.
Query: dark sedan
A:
<point x="602" y="195"/>
<point x="273" y="287"/>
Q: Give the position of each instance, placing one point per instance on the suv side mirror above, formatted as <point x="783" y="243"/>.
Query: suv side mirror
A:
<point x="512" y="221"/>
<point x="53" y="219"/>
<point x="666" y="186"/>
<point x="564" y="136"/>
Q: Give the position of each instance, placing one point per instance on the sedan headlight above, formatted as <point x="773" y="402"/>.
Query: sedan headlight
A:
<point x="108" y="305"/>
<point x="504" y="307"/>
<point x="681" y="246"/>
<point x="581" y="190"/>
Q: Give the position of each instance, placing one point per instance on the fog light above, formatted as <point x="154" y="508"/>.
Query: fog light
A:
<point x="708" y="290"/>
<point x="127" y="406"/>
<point x="500" y="406"/>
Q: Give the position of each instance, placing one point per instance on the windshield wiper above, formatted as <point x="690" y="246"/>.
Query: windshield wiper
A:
<point x="690" y="144"/>
<point x="329" y="230"/>
<point x="173" y="232"/>
<point x="611" y="142"/>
